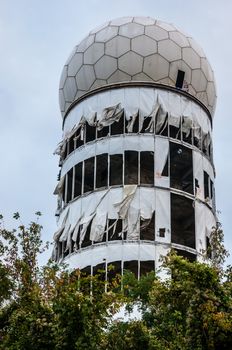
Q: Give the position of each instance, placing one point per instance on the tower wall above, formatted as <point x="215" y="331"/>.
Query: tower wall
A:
<point x="137" y="178"/>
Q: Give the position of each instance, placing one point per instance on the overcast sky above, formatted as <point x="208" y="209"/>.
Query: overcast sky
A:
<point x="36" y="37"/>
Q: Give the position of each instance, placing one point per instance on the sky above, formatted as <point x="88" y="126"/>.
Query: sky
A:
<point x="36" y="38"/>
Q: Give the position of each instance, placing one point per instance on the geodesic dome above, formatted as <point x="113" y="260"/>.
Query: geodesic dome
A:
<point x="138" y="49"/>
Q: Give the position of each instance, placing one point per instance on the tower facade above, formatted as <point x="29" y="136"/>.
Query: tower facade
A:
<point x="137" y="98"/>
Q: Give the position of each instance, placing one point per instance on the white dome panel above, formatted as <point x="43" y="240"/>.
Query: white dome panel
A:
<point x="140" y="49"/>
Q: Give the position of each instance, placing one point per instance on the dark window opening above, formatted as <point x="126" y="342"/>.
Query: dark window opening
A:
<point x="100" y="270"/>
<point x="131" y="266"/>
<point x="64" y="189"/>
<point x="103" y="132"/>
<point x="69" y="185"/>
<point x="89" y="175"/>
<point x="71" y="145"/>
<point x="180" y="79"/>
<point x="86" y="241"/>
<point x="116" y="166"/>
<point x="86" y="270"/>
<point x="174" y="132"/>
<point x="66" y="151"/>
<point x="66" y="251"/>
<point x="114" y="229"/>
<point x="162" y="130"/>
<point x="181" y="168"/>
<point x="147" y="168"/>
<point x="206" y="185"/>
<point x="117" y="128"/>
<point x="146" y="266"/>
<point x="102" y="170"/>
<point x="165" y="169"/>
<point x="113" y="269"/>
<point x="146" y="123"/>
<point x="131" y="168"/>
<point x="211" y="189"/>
<point x="189" y="256"/>
<point x="78" y="180"/>
<point x="90" y="132"/>
<point x="147" y="229"/>
<point x="162" y="232"/>
<point x="182" y="221"/>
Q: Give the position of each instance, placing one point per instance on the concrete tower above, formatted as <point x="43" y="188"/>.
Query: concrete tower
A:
<point x="137" y="98"/>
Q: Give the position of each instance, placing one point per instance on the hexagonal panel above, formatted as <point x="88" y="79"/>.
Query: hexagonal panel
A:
<point x="63" y="77"/>
<point x="106" y="34"/>
<point x="180" y="65"/>
<point x="70" y="89"/>
<point x="146" y="21"/>
<point x="131" y="30"/>
<point x="61" y="100"/>
<point x="179" y="39"/>
<point x="75" y="64"/>
<point x="156" y="33"/>
<point x="167" y="26"/>
<point x="130" y="63"/>
<point x="202" y="96"/>
<point x="144" y="45"/>
<point x="71" y="55"/>
<point x="191" y="90"/>
<point x="156" y="67"/>
<point x="211" y="93"/>
<point x="169" y="50"/>
<point x="205" y="66"/>
<point x="191" y="58"/>
<point x="141" y="77"/>
<point x="118" y="77"/>
<point x="98" y="83"/>
<point x="121" y="21"/>
<point x="84" y="44"/>
<point x="79" y="94"/>
<point x="85" y="77"/>
<point x="166" y="81"/>
<point x="196" y="47"/>
<point x="117" y="46"/>
<point x="105" y="67"/>
<point x="93" y="53"/>
<point x="199" y="81"/>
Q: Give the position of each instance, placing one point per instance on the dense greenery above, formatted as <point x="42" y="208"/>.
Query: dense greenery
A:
<point x="50" y="308"/>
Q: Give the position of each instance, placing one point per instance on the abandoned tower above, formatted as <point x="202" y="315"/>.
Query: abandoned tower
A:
<point x="137" y="98"/>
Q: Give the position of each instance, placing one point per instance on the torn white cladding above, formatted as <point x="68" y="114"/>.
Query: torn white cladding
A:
<point x="133" y="224"/>
<point x="98" y="226"/>
<point x="123" y="207"/>
<point x="205" y="223"/>
<point x="59" y="187"/>
<point x="161" y="161"/>
<point x="110" y="115"/>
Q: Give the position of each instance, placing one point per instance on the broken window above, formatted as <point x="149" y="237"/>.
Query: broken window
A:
<point x="78" y="180"/>
<point x="86" y="270"/>
<point x="208" y="248"/>
<point x="132" y="125"/>
<point x="147" y="229"/>
<point x="180" y="79"/>
<point x="161" y="127"/>
<point x="187" y="130"/>
<point x="114" y="229"/>
<point x="89" y="175"/>
<point x="78" y="137"/>
<point x="103" y="132"/>
<point x="69" y="185"/>
<point x="146" y="266"/>
<point x="113" y="269"/>
<point x="131" y="168"/>
<point x="102" y="170"/>
<point x="66" y="152"/>
<point x="174" y="127"/>
<point x="116" y="167"/>
<point x="131" y="266"/>
<point x="64" y="189"/>
<point x="117" y="128"/>
<point x="206" y="185"/>
<point x="182" y="221"/>
<point x="90" y="132"/>
<point x="100" y="269"/>
<point x="147" y="168"/>
<point x="181" y="168"/>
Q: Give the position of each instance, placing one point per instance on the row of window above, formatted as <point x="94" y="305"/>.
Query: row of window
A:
<point x="182" y="228"/>
<point x="133" y="168"/>
<point x="184" y="132"/>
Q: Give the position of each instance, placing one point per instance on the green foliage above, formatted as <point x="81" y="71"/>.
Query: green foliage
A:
<point x="51" y="308"/>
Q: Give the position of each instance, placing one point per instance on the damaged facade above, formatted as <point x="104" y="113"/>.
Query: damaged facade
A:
<point x="137" y="174"/>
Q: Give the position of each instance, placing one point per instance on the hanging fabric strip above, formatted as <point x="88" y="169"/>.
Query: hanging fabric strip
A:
<point x="123" y="206"/>
<point x="98" y="226"/>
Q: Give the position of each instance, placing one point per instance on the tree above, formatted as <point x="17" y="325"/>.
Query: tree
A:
<point x="54" y="308"/>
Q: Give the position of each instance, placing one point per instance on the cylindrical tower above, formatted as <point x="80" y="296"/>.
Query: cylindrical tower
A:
<point x="137" y="98"/>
